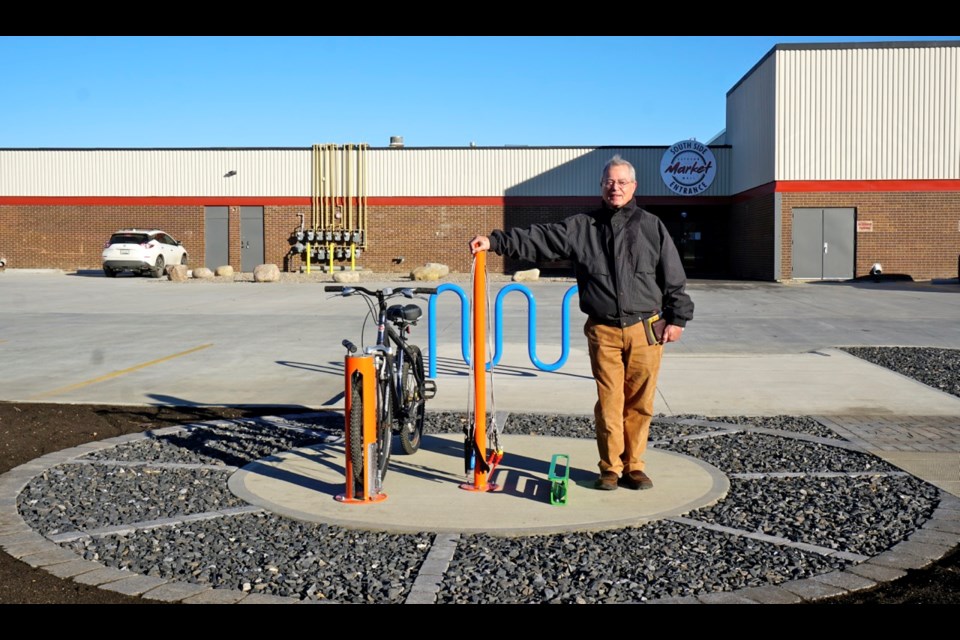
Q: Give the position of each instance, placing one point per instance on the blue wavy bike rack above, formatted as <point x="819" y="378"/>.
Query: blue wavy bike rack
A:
<point x="464" y="325"/>
<point x="498" y="327"/>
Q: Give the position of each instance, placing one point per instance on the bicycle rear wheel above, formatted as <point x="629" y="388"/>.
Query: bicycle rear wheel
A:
<point x="384" y="425"/>
<point x="384" y="431"/>
<point x="413" y="402"/>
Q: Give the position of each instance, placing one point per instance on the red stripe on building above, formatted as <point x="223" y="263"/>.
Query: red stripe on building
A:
<point x="850" y="186"/>
<point x="141" y="200"/>
<point x="783" y="186"/>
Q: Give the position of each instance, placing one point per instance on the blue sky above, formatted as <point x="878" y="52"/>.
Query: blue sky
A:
<point x="446" y="91"/>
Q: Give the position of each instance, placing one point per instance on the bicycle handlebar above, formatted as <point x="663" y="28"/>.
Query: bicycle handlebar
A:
<point x="387" y="291"/>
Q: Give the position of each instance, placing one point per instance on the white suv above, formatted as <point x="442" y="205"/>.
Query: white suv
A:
<point x="141" y="251"/>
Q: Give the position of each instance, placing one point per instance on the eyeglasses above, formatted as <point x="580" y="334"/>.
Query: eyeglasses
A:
<point x="609" y="184"/>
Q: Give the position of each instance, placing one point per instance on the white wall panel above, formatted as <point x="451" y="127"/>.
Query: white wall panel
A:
<point x="751" y="128"/>
<point x="515" y="171"/>
<point x="390" y="172"/>
<point x="883" y="113"/>
<point x="155" y="172"/>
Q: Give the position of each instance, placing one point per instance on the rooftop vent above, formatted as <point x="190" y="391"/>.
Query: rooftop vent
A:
<point x="396" y="141"/>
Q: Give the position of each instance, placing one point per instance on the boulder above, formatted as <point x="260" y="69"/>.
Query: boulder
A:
<point x="346" y="276"/>
<point x="442" y="269"/>
<point x="177" y="272"/>
<point x="202" y="273"/>
<point x="424" y="274"/>
<point x="224" y="271"/>
<point x="530" y="275"/>
<point x="266" y="273"/>
<point x="430" y="271"/>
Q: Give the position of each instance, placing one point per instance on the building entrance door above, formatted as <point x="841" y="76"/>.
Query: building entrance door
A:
<point x="823" y="244"/>
<point x="251" y="238"/>
<point x="216" y="237"/>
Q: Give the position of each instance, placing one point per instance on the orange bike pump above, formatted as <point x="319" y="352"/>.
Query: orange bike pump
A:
<point x="368" y="490"/>
<point x="479" y="316"/>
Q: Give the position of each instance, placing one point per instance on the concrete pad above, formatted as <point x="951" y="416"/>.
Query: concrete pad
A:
<point x="939" y="469"/>
<point x="875" y="572"/>
<point x="53" y="555"/>
<point x="100" y="577"/>
<point x="174" y="591"/>
<point x="135" y="585"/>
<point x="72" y="568"/>
<point x="770" y="595"/>
<point x="822" y="382"/>
<point x="828" y="381"/>
<point x="216" y="596"/>
<point x="429" y="491"/>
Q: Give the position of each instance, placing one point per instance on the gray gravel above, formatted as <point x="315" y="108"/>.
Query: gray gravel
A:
<point x="803" y="502"/>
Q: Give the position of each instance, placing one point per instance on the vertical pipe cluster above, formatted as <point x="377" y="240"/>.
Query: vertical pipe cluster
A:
<point x="338" y="228"/>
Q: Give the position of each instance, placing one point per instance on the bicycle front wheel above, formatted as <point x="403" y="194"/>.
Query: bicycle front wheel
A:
<point x="384" y="430"/>
<point x="413" y="406"/>
<point x="356" y="427"/>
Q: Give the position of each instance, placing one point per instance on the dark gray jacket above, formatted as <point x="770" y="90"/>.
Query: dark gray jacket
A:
<point x="625" y="261"/>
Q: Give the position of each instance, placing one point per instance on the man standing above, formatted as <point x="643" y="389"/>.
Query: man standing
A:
<point x="628" y="272"/>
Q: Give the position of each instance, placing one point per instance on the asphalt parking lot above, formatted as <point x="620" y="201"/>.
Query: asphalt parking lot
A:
<point x="86" y="338"/>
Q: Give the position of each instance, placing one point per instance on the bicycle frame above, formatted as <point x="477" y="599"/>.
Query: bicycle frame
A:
<point x="394" y="360"/>
<point x="389" y="331"/>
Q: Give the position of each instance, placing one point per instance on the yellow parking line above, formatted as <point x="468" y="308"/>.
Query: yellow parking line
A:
<point x="115" y="374"/>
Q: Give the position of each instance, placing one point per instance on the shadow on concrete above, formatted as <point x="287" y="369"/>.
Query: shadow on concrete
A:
<point x="894" y="282"/>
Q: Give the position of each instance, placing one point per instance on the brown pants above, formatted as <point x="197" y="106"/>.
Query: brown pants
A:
<point x="625" y="368"/>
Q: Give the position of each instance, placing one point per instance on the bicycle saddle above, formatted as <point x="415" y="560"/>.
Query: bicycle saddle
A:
<point x="404" y="313"/>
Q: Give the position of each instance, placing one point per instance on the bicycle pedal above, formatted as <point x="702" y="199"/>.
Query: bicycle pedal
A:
<point x="429" y="389"/>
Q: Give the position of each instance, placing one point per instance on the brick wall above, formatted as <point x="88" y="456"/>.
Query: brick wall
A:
<point x="916" y="234"/>
<point x="422" y="233"/>
<point x="72" y="237"/>
<point x="751" y="239"/>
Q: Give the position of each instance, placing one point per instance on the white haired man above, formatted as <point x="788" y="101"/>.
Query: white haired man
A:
<point x="629" y="274"/>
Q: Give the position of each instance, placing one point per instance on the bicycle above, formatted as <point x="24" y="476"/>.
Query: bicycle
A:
<point x="402" y="387"/>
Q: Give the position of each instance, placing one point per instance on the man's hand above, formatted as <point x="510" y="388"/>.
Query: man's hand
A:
<point x="479" y="243"/>
<point x="671" y="333"/>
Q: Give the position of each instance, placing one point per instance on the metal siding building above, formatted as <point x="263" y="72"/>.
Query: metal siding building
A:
<point x="388" y="172"/>
<point x="751" y="127"/>
<point x="882" y="113"/>
<point x="847" y="112"/>
<point x="154" y="172"/>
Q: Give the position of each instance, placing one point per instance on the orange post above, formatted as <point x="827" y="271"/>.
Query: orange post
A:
<point x="479" y="367"/>
<point x="366" y="490"/>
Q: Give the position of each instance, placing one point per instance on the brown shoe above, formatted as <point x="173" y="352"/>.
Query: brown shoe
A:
<point x="637" y="480"/>
<point x="606" y="482"/>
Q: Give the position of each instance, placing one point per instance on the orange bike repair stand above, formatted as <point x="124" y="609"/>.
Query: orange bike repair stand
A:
<point x="360" y="370"/>
<point x="479" y="364"/>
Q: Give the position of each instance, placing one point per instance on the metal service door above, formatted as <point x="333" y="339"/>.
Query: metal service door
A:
<point x="838" y="235"/>
<point x="216" y="237"/>
<point x="251" y="238"/>
<point x="823" y="244"/>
